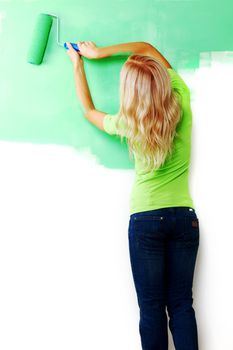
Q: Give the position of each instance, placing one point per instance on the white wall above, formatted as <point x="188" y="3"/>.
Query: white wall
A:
<point x="65" y="275"/>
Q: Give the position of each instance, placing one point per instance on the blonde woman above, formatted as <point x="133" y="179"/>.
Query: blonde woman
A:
<point x="155" y="118"/>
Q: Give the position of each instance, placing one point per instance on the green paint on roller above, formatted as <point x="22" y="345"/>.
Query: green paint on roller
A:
<point x="40" y="39"/>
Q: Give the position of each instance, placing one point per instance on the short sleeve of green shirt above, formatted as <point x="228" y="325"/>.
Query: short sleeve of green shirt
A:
<point x="109" y="124"/>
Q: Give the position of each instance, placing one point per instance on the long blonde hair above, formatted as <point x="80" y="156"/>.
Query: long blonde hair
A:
<point x="149" y="108"/>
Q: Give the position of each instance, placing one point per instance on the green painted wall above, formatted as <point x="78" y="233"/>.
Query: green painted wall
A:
<point x="39" y="104"/>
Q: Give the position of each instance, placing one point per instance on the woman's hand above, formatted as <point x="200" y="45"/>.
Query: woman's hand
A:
<point x="88" y="49"/>
<point x="74" y="55"/>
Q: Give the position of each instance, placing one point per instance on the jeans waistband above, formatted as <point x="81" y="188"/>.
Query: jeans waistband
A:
<point x="164" y="211"/>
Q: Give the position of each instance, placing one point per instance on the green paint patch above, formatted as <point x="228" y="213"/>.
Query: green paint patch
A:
<point x="39" y="103"/>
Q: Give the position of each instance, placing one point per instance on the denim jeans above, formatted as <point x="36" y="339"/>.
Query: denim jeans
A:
<point x="163" y="245"/>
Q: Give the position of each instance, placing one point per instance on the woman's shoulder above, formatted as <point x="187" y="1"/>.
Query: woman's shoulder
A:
<point x="177" y="82"/>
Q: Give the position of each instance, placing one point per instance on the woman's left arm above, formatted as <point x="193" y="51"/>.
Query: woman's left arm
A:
<point x="82" y="89"/>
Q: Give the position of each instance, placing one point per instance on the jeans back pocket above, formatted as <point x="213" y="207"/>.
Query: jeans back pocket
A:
<point x="192" y="232"/>
<point x="146" y="229"/>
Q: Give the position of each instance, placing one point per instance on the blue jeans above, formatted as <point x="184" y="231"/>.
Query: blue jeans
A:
<point x="163" y="245"/>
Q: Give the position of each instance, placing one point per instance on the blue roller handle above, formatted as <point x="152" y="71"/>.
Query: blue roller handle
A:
<point x="75" y="46"/>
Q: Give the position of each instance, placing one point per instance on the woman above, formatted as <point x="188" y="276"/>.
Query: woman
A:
<point x="156" y="118"/>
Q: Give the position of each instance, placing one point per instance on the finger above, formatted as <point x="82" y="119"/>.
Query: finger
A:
<point x="80" y="44"/>
<point x="69" y="45"/>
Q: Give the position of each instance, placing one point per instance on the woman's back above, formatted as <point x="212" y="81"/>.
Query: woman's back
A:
<point x="167" y="186"/>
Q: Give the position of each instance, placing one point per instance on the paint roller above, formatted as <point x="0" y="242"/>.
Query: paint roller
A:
<point x="40" y="38"/>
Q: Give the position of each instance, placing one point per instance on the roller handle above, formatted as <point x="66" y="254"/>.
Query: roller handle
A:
<point x="75" y="46"/>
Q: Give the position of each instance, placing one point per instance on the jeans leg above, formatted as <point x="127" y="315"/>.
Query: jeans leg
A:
<point x="180" y="263"/>
<point x="147" y="257"/>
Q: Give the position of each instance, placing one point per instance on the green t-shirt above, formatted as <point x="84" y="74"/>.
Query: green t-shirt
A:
<point x="167" y="186"/>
